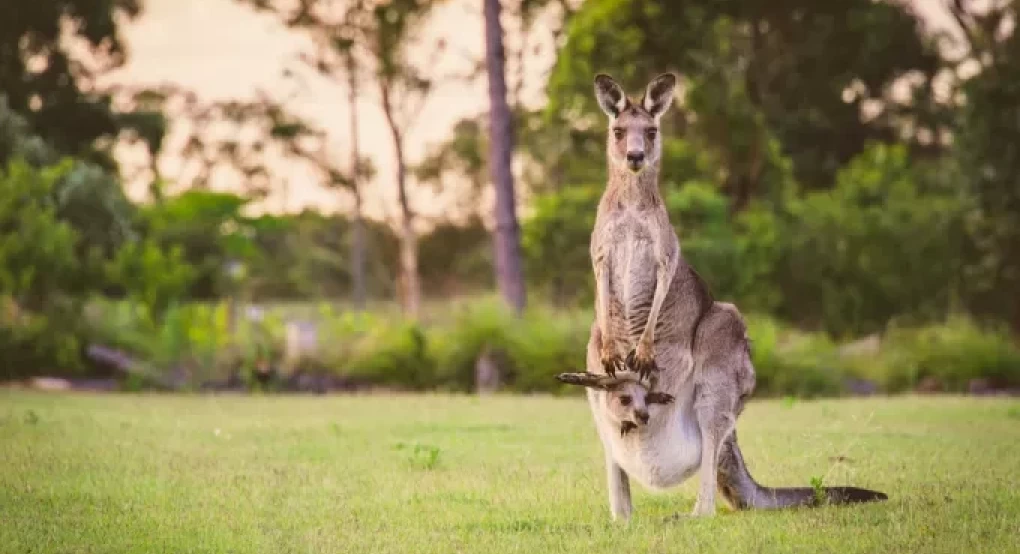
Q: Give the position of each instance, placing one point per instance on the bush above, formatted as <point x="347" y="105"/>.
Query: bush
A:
<point x="33" y="342"/>
<point x="40" y="275"/>
<point x="791" y="362"/>
<point x="953" y="353"/>
<point x="392" y="354"/>
<point x="555" y="242"/>
<point x="735" y="257"/>
<point x="881" y="244"/>
<point x="532" y="350"/>
<point x="189" y="343"/>
<point x="440" y="353"/>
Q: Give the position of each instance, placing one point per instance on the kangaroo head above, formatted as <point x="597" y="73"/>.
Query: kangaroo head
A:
<point x="625" y="400"/>
<point x="633" y="140"/>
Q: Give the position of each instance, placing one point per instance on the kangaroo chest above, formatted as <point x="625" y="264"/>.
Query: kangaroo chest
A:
<point x="627" y="241"/>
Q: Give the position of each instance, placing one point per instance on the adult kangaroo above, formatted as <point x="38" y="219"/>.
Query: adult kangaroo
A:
<point x="652" y="305"/>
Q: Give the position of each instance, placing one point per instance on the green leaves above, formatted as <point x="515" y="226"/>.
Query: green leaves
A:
<point x="37" y="257"/>
<point x="876" y="247"/>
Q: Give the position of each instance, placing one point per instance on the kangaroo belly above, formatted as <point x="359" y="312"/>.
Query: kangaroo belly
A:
<point x="633" y="286"/>
<point x="661" y="456"/>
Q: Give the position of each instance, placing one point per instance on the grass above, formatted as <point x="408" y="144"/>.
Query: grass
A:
<point x="423" y="474"/>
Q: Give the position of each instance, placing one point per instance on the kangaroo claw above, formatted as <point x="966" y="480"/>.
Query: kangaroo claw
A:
<point x="644" y="366"/>
<point x="612" y="364"/>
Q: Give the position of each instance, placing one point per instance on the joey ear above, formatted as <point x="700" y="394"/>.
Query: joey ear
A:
<point x="659" y="94"/>
<point x="610" y="95"/>
<point x="658" y="398"/>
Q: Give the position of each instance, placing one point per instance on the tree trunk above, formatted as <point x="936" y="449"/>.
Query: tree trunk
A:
<point x="409" y="283"/>
<point x="509" y="272"/>
<point x="357" y="225"/>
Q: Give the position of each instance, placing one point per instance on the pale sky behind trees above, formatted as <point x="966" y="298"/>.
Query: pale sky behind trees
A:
<point x="222" y="50"/>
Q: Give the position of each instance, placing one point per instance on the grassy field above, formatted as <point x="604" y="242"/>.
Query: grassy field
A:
<point x="422" y="474"/>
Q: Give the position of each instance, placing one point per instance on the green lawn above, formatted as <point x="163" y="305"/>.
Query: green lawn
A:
<point x="417" y="474"/>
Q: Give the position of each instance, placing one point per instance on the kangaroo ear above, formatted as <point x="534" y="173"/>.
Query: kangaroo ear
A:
<point x="658" y="398"/>
<point x="610" y="95"/>
<point x="590" y="380"/>
<point x="659" y="94"/>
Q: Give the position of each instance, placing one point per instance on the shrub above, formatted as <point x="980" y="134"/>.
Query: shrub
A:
<point x="954" y="353"/>
<point x="394" y="355"/>
<point x="441" y="352"/>
<point x="791" y="362"/>
<point x="882" y="244"/>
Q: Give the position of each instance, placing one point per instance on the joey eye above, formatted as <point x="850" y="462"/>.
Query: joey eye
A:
<point x="618" y="133"/>
<point x="651" y="133"/>
<point x="625" y="400"/>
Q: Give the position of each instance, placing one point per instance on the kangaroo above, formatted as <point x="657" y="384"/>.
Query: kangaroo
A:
<point x="663" y="437"/>
<point x="646" y="295"/>
<point x="695" y="352"/>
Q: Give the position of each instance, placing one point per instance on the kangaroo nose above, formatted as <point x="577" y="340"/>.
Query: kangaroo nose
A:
<point x="635" y="157"/>
<point x="642" y="416"/>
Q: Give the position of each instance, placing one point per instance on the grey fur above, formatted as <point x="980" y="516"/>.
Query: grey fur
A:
<point x="653" y="311"/>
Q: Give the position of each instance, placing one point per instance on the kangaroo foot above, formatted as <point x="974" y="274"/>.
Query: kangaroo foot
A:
<point x="703" y="509"/>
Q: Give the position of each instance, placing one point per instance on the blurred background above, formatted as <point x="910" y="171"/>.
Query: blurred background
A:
<point x="314" y="195"/>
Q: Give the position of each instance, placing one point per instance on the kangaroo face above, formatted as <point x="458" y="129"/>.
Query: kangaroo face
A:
<point x="625" y="404"/>
<point x="629" y="405"/>
<point x="625" y="399"/>
<point x="633" y="140"/>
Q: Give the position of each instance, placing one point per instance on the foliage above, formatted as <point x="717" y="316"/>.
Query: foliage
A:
<point x="53" y="50"/>
<point x="555" y="241"/>
<point x="196" y="343"/>
<point x="746" y="62"/>
<point x="36" y="248"/>
<point x="40" y="275"/>
<point x="990" y="165"/>
<point x="456" y="258"/>
<point x="954" y="354"/>
<point x="189" y="344"/>
<point x="153" y="277"/>
<point x="878" y="246"/>
<point x="735" y="257"/>
<point x="210" y="231"/>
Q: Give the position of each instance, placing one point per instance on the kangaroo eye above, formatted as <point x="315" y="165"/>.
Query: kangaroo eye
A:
<point x="618" y="133"/>
<point x="651" y="133"/>
<point x="625" y="400"/>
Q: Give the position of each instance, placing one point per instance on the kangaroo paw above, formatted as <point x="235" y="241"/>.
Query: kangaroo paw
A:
<point x="643" y="364"/>
<point x="611" y="363"/>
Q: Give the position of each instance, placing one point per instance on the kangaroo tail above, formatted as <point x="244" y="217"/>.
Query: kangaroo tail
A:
<point x="743" y="492"/>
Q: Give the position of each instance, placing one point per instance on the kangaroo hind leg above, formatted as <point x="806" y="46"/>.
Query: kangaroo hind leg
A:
<point x="714" y="408"/>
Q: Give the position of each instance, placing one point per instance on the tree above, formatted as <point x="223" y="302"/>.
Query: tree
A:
<point x="985" y="144"/>
<point x="757" y="72"/>
<point x="464" y="155"/>
<point x="507" y="238"/>
<point x="50" y="53"/>
<point x="241" y="137"/>
<point x="358" y="173"/>
<point x="383" y="33"/>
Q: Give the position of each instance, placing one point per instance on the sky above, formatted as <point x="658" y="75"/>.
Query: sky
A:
<point x="222" y="49"/>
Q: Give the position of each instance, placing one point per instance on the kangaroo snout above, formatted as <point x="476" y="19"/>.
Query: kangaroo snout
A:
<point x="641" y="416"/>
<point x="635" y="159"/>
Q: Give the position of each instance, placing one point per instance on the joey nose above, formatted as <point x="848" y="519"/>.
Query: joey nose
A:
<point x="642" y="416"/>
<point x="635" y="157"/>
